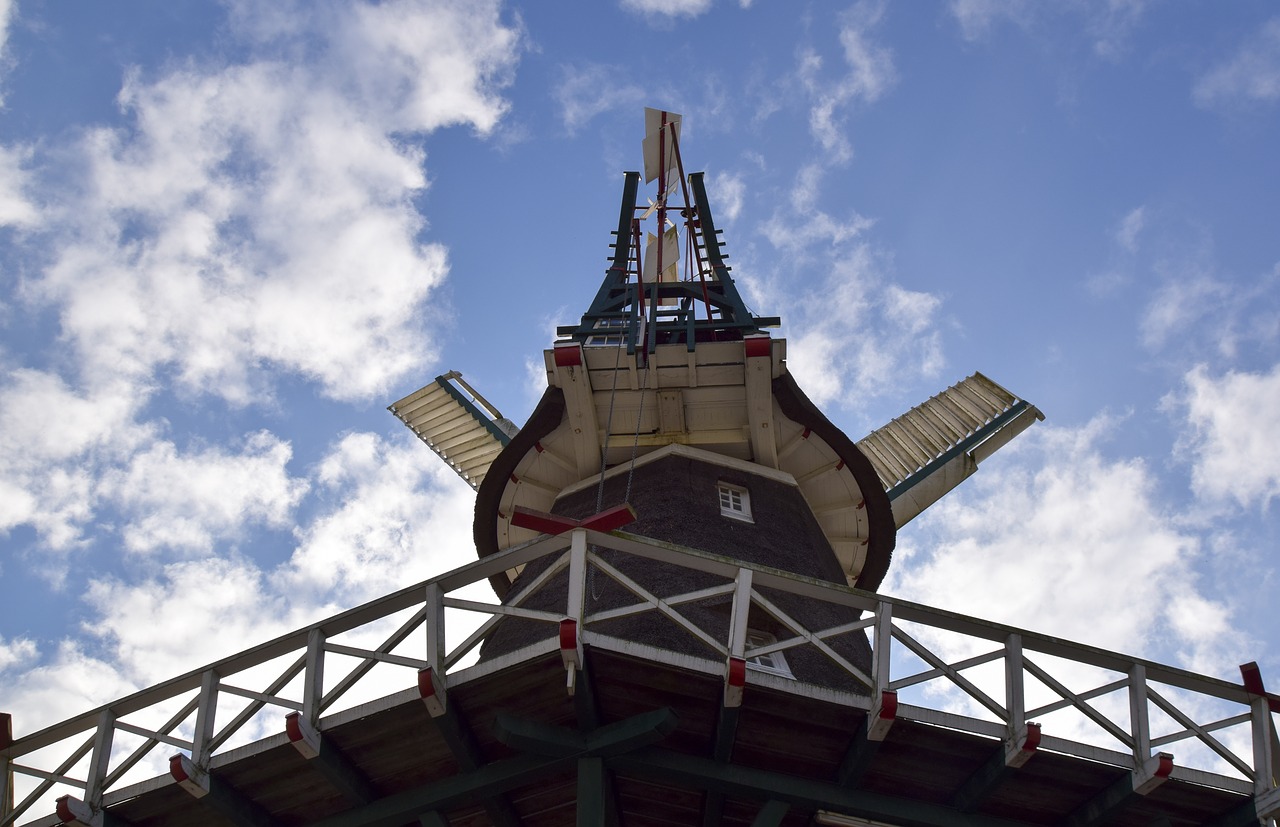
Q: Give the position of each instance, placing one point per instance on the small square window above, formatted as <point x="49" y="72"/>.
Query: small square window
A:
<point x="775" y="663"/>
<point x="735" y="502"/>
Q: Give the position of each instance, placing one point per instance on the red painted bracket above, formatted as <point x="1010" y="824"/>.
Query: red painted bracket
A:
<point x="1018" y="752"/>
<point x="189" y="777"/>
<point x="567" y="355"/>
<point x="1251" y="676"/>
<point x="73" y="812"/>
<point x="304" y="737"/>
<point x="433" y="698"/>
<point x="555" y="524"/>
<point x="881" y="718"/>
<point x="1153" y="773"/>
<point x="735" y="680"/>
<point x="569" y="651"/>
<point x="757" y="345"/>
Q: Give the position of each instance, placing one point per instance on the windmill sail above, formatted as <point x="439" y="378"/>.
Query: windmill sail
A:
<point x="457" y="423"/>
<point x="935" y="446"/>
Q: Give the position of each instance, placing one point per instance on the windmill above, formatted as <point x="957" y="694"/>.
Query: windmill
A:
<point x="668" y="357"/>
<point x="685" y="553"/>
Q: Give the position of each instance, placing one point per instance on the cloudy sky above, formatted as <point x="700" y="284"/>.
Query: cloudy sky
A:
<point x="234" y="232"/>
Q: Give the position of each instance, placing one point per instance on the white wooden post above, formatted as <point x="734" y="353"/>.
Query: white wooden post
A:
<point x="577" y="574"/>
<point x="571" y="625"/>
<point x="313" y="686"/>
<point x="880" y="647"/>
<point x="1139" y="723"/>
<point x="206" y="711"/>
<point x="100" y="760"/>
<point x="739" y="613"/>
<point x="1015" y="699"/>
<point x="435" y="629"/>
<point x="1265" y="761"/>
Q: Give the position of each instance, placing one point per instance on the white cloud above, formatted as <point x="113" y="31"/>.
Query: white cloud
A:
<point x="729" y="191"/>
<point x="190" y="501"/>
<point x="1198" y="314"/>
<point x="195" y="612"/>
<point x="53" y="441"/>
<point x="389" y="517"/>
<point x="399" y="516"/>
<point x="221" y="238"/>
<point x="247" y="222"/>
<point x="670" y="8"/>
<point x="15" y="208"/>
<point x="1110" y="22"/>
<point x="863" y="336"/>
<point x="1107" y="24"/>
<point x="870" y="74"/>
<point x="19" y="652"/>
<point x="1232" y="421"/>
<point x="976" y="17"/>
<point x="71" y="680"/>
<point x="1063" y="540"/>
<point x="1130" y="226"/>
<point x="217" y="226"/>
<point x="592" y="89"/>
<point x="1251" y="75"/>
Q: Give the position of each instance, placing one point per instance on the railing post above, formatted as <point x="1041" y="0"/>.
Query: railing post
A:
<point x="313" y="687"/>
<point x="571" y="625"/>
<point x="577" y="574"/>
<point x="1266" y="764"/>
<point x="1139" y="723"/>
<point x="431" y="681"/>
<point x="1015" y="698"/>
<point x="6" y="770"/>
<point x="206" y="711"/>
<point x="100" y="759"/>
<point x="739" y="613"/>
<point x="435" y="628"/>
<point x="881" y="646"/>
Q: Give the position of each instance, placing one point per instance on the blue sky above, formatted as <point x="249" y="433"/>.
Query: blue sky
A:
<point x="233" y="233"/>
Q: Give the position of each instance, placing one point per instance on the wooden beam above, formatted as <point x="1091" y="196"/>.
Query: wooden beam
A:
<point x="722" y="751"/>
<point x="464" y="789"/>
<point x="862" y="750"/>
<point x="591" y="792"/>
<point x="771" y="814"/>
<point x="1120" y="794"/>
<point x="736" y="781"/>
<point x="616" y="738"/>
<point x="1003" y="763"/>
<point x="218" y="795"/>
<point x="324" y="756"/>
<point x="435" y="818"/>
<point x="462" y="743"/>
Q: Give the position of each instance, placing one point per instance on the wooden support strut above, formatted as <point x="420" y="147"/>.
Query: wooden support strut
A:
<point x="332" y="763"/>
<point x="1146" y="777"/>
<point x="218" y="794"/>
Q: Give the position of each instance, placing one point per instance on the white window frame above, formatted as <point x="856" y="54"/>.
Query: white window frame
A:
<point x="735" y="502"/>
<point x="774" y="663"/>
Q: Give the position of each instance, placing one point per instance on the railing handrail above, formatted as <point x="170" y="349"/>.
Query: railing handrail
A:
<point x="428" y="597"/>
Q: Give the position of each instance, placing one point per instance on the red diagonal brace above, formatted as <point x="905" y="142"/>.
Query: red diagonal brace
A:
<point x="553" y="524"/>
<point x="610" y="518"/>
